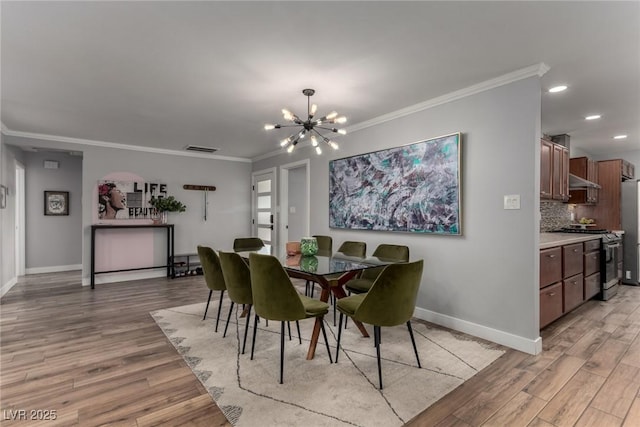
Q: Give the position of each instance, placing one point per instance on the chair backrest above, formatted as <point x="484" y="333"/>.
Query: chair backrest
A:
<point x="353" y="248"/>
<point x="274" y="296"/>
<point x="247" y="244"/>
<point x="237" y="277"/>
<point x="391" y="300"/>
<point x="211" y="268"/>
<point x="395" y="253"/>
<point x="325" y="245"/>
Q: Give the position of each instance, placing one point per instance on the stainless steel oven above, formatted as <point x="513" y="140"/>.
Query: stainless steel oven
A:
<point x="611" y="259"/>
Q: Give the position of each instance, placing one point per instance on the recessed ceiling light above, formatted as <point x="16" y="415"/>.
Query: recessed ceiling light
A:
<point x="594" y="117"/>
<point x="556" y="89"/>
<point x="620" y="137"/>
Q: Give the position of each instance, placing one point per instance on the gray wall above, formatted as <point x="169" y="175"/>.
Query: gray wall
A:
<point x="486" y="279"/>
<point x="297" y="199"/>
<point x="229" y="212"/>
<point x="53" y="240"/>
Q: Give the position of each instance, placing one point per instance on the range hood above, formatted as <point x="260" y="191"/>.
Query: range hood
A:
<point x="576" y="183"/>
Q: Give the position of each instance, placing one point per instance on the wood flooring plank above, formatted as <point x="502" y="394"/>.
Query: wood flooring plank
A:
<point x="568" y="405"/>
<point x="632" y="418"/>
<point x="606" y="358"/>
<point x="176" y="413"/>
<point x="552" y="379"/>
<point x="618" y="392"/>
<point x="595" y="418"/>
<point x="632" y="356"/>
<point x="519" y="411"/>
<point x="588" y="344"/>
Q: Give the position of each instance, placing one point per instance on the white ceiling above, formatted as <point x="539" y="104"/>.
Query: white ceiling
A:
<point x="168" y="74"/>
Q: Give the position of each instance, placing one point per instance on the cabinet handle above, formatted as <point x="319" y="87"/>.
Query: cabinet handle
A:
<point x="551" y="256"/>
<point x="551" y="294"/>
<point x="574" y="282"/>
<point x="575" y="250"/>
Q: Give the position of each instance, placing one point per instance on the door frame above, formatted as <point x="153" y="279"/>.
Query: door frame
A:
<point x="283" y="230"/>
<point x="274" y="204"/>
<point x="20" y="219"/>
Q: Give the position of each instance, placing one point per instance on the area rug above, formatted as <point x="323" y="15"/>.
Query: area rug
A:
<point x="315" y="392"/>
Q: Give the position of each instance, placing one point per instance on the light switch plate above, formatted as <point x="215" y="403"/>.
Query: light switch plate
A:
<point x="512" y="201"/>
<point x="292" y="209"/>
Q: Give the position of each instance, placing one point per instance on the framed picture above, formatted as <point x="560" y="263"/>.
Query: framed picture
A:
<point x="3" y="197"/>
<point x="56" y="203"/>
<point x="412" y="188"/>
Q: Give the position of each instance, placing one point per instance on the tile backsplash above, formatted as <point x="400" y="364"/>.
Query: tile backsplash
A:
<point x="554" y="215"/>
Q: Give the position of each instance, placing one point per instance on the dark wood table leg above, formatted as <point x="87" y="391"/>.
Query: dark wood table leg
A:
<point x="339" y="292"/>
<point x="324" y="297"/>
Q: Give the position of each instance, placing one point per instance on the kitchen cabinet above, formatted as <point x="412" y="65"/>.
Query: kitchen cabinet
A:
<point x="587" y="169"/>
<point x="569" y="276"/>
<point x="554" y="171"/>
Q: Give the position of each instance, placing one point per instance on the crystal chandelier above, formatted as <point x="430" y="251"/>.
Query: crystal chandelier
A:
<point x="309" y="126"/>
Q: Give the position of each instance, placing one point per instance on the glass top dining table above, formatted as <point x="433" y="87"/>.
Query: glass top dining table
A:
<point x="330" y="270"/>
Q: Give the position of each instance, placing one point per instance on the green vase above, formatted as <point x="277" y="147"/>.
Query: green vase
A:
<point x="308" y="246"/>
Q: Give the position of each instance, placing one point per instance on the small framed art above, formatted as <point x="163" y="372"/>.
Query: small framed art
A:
<point x="56" y="203"/>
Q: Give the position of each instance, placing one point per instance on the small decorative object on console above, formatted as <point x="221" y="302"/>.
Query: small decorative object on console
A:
<point x="309" y="246"/>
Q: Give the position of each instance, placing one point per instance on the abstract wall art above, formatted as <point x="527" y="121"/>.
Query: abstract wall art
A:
<point x="413" y="188"/>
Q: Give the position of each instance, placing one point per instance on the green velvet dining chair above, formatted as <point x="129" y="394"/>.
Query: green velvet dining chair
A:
<point x="238" y="280"/>
<point x="213" y="277"/>
<point x="390" y="253"/>
<point x="350" y="248"/>
<point x="275" y="298"/>
<point x="391" y="301"/>
<point x="242" y="244"/>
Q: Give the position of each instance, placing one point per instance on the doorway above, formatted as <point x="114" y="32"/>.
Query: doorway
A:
<point x="295" y="202"/>
<point x="264" y="205"/>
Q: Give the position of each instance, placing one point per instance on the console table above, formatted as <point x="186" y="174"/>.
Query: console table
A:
<point x="170" y="245"/>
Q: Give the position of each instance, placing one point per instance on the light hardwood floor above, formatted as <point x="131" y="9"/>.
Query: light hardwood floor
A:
<point x="98" y="358"/>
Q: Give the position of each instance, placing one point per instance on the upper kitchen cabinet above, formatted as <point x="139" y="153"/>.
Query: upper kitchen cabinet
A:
<point x="554" y="171"/>
<point x="584" y="168"/>
<point x="628" y="170"/>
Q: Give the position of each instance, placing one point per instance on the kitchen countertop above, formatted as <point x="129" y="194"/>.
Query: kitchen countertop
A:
<point x="550" y="240"/>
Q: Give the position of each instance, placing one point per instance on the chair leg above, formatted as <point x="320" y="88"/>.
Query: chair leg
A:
<point x="255" y="328"/>
<point x="376" y="334"/>
<point x="326" y="341"/>
<point x="289" y="327"/>
<point x="413" y="341"/>
<point x="228" y="318"/>
<point x="246" y="328"/>
<point x="306" y="289"/>
<point x="207" y="307"/>
<point x="299" y="334"/>
<point x="281" y="350"/>
<point x="339" y="335"/>
<point x="219" y="308"/>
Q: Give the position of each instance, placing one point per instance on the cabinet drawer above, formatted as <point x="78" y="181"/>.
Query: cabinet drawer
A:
<point x="572" y="260"/>
<point x="573" y="290"/>
<point x="550" y="304"/>
<point x="592" y="245"/>
<point x="591" y="263"/>
<point x="550" y="266"/>
<point x="591" y="286"/>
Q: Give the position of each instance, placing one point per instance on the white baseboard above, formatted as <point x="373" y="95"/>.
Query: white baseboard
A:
<point x="53" y="269"/>
<point x="124" y="277"/>
<point x="7" y="286"/>
<point x="505" y="338"/>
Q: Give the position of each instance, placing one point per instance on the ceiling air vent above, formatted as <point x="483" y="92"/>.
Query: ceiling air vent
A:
<point x="200" y="149"/>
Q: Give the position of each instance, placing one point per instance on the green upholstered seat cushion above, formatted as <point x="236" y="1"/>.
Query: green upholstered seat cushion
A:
<point x="349" y="305"/>
<point x="210" y="262"/>
<point x="359" y="285"/>
<point x="237" y="277"/>
<point x="314" y="307"/>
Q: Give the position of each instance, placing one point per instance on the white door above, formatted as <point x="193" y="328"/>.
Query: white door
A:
<point x="20" y="220"/>
<point x="264" y="206"/>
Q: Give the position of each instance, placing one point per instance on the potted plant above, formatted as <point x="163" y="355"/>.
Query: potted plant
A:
<point x="163" y="205"/>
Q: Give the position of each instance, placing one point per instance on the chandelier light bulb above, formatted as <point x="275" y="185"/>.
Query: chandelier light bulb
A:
<point x="332" y="115"/>
<point x="333" y="145"/>
<point x="314" y="141"/>
<point x="284" y="142"/>
<point x="318" y="150"/>
<point x="290" y="149"/>
<point x="287" y="114"/>
<point x="269" y="127"/>
<point x="341" y="119"/>
<point x="313" y="110"/>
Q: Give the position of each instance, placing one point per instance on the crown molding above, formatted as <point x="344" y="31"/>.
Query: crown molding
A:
<point x="118" y="146"/>
<point x="531" y="71"/>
